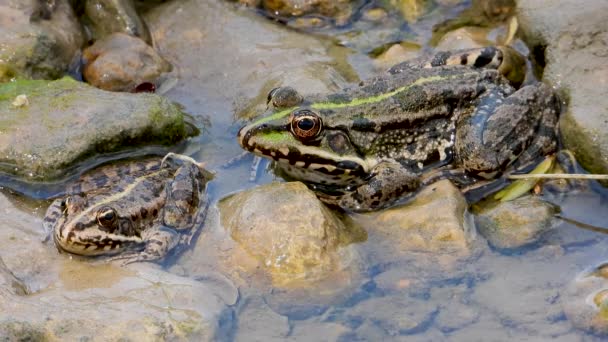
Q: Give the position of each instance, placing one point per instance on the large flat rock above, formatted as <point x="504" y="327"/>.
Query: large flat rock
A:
<point x="575" y="38"/>
<point x="64" y="122"/>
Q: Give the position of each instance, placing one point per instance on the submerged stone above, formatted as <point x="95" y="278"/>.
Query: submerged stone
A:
<point x="585" y="301"/>
<point x="516" y="223"/>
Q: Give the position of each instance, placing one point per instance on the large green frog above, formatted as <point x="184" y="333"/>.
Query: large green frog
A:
<point x="363" y="148"/>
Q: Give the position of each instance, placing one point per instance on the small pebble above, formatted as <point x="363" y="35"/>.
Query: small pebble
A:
<point x="21" y="101"/>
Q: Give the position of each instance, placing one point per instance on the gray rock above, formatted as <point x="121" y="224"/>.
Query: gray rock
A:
<point x="120" y="62"/>
<point x="60" y="123"/>
<point x="11" y="330"/>
<point x="575" y="39"/>
<point x="10" y="283"/>
<point x="38" y="41"/>
<point x="109" y="16"/>
<point x="138" y="303"/>
<point x="516" y="223"/>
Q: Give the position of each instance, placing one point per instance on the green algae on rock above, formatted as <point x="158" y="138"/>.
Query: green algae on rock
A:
<point x="37" y="41"/>
<point x="64" y="122"/>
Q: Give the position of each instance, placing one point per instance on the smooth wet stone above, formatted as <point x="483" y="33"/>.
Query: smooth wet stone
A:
<point x="585" y="300"/>
<point x="434" y="221"/>
<point x="120" y="62"/>
<point x="412" y="10"/>
<point x="516" y="223"/>
<point x="64" y="122"/>
<point x="290" y="233"/>
<point x="37" y="41"/>
<point x="138" y="303"/>
<point x="574" y="40"/>
<point x="109" y="16"/>
<point x="228" y="56"/>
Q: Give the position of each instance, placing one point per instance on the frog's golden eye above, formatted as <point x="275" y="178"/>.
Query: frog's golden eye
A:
<point x="106" y="217"/>
<point x="305" y="124"/>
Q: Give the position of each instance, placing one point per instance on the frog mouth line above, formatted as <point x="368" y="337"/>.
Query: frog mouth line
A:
<point x="95" y="244"/>
<point x="295" y="158"/>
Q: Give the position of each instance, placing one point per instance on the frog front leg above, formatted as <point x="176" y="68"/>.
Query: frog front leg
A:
<point x="53" y="214"/>
<point x="184" y="196"/>
<point x="388" y="181"/>
<point x="157" y="244"/>
<point x="505" y="128"/>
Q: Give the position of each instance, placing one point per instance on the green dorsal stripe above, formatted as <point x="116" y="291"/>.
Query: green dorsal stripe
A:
<point x="357" y="101"/>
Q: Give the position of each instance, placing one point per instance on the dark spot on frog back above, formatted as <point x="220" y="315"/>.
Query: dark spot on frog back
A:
<point x="100" y="181"/>
<point x="414" y="99"/>
<point x="339" y="98"/>
<point x="376" y="86"/>
<point x="185" y="195"/>
<point x="363" y="125"/>
<point x="440" y="59"/>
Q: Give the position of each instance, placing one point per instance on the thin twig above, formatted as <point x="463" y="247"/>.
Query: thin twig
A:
<point x="559" y="176"/>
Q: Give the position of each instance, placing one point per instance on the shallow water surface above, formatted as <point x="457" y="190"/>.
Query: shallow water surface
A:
<point x="223" y="78"/>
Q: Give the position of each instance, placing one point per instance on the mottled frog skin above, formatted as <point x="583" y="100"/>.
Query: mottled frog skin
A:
<point x="135" y="211"/>
<point x="363" y="148"/>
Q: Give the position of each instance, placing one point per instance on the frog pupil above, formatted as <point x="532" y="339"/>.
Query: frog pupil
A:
<point x="306" y="124"/>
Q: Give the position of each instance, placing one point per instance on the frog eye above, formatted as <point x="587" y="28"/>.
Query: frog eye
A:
<point x="283" y="97"/>
<point x="106" y="217"/>
<point x="305" y="124"/>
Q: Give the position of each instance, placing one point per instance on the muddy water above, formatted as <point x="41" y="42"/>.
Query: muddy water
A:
<point x="226" y="60"/>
